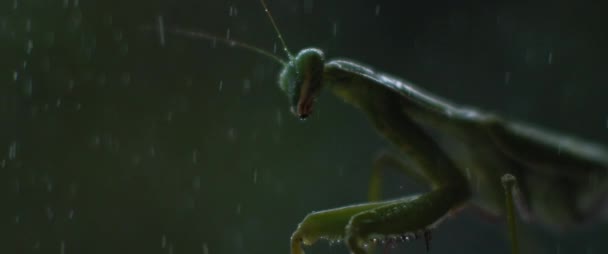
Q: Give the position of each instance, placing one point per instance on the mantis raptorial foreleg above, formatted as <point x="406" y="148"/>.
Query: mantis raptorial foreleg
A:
<point x="405" y="217"/>
<point x="386" y="160"/>
<point x="330" y="224"/>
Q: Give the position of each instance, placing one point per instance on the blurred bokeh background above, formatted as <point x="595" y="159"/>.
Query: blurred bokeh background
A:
<point x="113" y="141"/>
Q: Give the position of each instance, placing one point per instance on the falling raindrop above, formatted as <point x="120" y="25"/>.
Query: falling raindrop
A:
<point x="107" y="19"/>
<point x="15" y="75"/>
<point x="169" y="116"/>
<point x="12" y="150"/>
<point x="71" y="84"/>
<point x="49" y="213"/>
<point x="238" y="209"/>
<point x="62" y="247"/>
<point x="507" y="77"/>
<point x="232" y="11"/>
<point x="15" y="4"/>
<point x="71" y="214"/>
<point x="194" y="156"/>
<point x="28" y="25"/>
<point x="255" y="176"/>
<point x="232" y="134"/>
<point x="196" y="183"/>
<point x="135" y="160"/>
<point x="377" y="11"/>
<point x="335" y="29"/>
<point x="550" y="58"/>
<point x="246" y="85"/>
<point x="161" y="30"/>
<point x="29" y="46"/>
<point x="228" y="34"/>
<point x="118" y="36"/>
<point x="279" y="117"/>
<point x="205" y="248"/>
<point x="124" y="49"/>
<point x="163" y="241"/>
<point x="28" y="87"/>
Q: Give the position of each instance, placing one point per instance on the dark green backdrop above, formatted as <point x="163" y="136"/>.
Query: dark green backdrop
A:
<point x="112" y="143"/>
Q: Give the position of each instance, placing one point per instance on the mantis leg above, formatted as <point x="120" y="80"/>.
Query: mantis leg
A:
<point x="510" y="183"/>
<point x="403" y="217"/>
<point x="386" y="160"/>
<point x="330" y="224"/>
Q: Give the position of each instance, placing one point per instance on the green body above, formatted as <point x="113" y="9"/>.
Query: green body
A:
<point x="461" y="153"/>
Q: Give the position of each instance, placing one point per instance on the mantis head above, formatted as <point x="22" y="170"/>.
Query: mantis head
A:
<point x="301" y="80"/>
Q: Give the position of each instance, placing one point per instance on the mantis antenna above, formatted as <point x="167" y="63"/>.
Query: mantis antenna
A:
<point x="276" y="29"/>
<point x="207" y="36"/>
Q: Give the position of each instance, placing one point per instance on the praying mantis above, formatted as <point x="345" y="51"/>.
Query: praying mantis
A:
<point x="466" y="156"/>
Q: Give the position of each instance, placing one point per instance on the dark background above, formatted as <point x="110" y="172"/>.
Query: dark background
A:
<point x="113" y="143"/>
